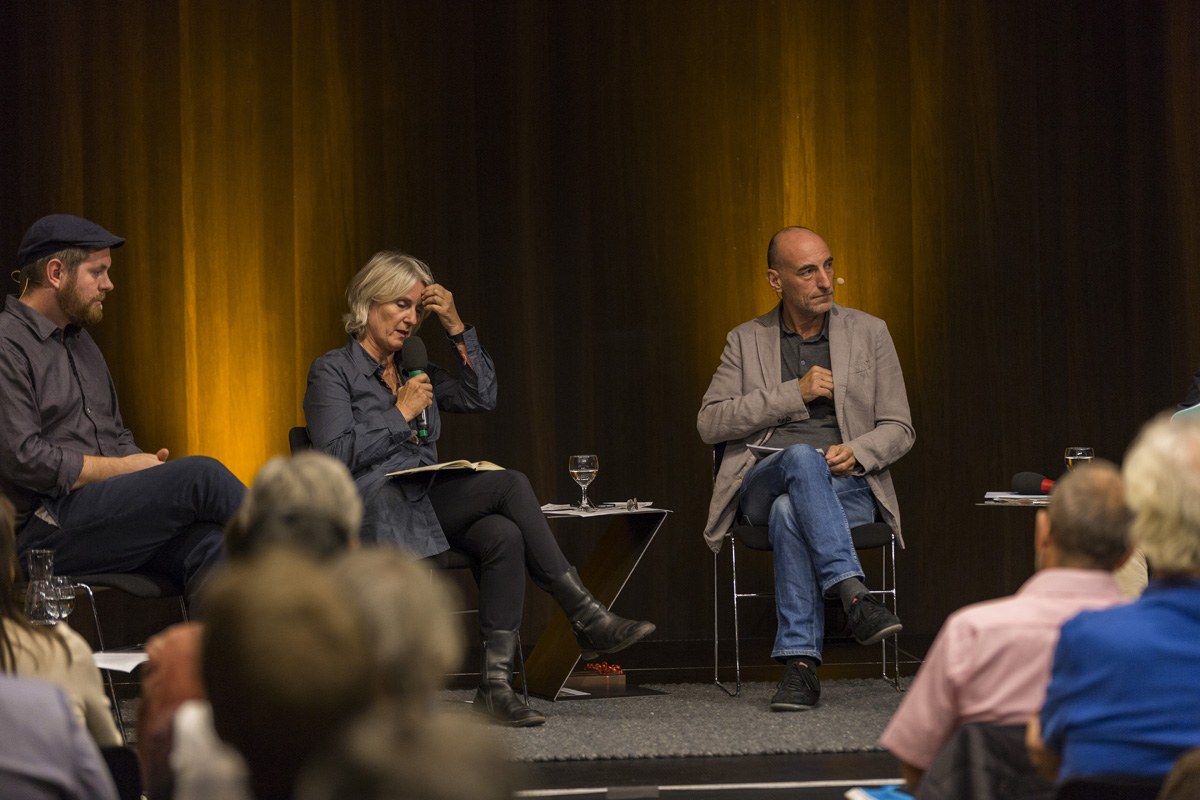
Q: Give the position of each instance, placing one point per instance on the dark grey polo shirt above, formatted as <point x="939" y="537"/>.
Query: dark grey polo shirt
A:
<point x="59" y="403"/>
<point x="797" y="356"/>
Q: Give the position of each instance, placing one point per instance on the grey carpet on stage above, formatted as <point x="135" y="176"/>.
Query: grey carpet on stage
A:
<point x="701" y="720"/>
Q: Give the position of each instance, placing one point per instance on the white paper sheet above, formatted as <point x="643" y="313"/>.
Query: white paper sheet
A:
<point x="120" y="661"/>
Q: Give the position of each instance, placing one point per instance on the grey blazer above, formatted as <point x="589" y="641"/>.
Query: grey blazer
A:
<point x="746" y="400"/>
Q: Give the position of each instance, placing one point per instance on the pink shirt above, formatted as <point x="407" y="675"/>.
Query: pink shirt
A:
<point x="991" y="661"/>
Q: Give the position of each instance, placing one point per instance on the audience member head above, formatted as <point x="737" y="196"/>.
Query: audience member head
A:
<point x="1087" y="523"/>
<point x="1183" y="781"/>
<point x="388" y="275"/>
<point x="307" y="502"/>
<point x="386" y="755"/>
<point x="285" y="663"/>
<point x="1162" y="479"/>
<point x="407" y="611"/>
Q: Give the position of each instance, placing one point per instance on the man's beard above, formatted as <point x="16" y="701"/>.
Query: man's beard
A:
<point x="76" y="310"/>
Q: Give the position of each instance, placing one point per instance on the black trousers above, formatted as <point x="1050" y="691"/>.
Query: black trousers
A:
<point x="167" y="519"/>
<point x="494" y="517"/>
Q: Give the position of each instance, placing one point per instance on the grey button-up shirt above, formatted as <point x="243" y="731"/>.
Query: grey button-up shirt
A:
<point x="351" y="414"/>
<point x="57" y="403"/>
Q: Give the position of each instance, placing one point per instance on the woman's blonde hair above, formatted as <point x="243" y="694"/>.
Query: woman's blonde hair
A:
<point x="388" y="275"/>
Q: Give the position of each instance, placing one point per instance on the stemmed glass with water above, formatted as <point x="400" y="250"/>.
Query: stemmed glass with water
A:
<point x="1078" y="456"/>
<point x="583" y="471"/>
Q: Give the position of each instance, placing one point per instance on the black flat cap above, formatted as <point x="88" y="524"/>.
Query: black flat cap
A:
<point x="60" y="231"/>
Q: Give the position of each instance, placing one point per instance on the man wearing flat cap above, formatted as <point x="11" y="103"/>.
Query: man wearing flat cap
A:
<point x="81" y="486"/>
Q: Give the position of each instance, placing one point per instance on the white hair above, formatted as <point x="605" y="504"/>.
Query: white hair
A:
<point x="310" y="480"/>
<point x="1162" y="485"/>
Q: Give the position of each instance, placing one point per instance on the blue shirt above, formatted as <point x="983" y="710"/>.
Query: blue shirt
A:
<point x="1124" y="693"/>
<point x="351" y="414"/>
<point x="45" y="753"/>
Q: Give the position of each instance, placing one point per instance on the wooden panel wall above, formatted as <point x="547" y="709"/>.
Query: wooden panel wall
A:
<point x="1011" y="185"/>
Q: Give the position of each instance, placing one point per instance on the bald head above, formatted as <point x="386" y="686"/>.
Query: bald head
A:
<point x="1088" y="517"/>
<point x="787" y="243"/>
<point x="800" y="271"/>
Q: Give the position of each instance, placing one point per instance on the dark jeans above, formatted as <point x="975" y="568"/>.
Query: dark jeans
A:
<point x="166" y="520"/>
<point x="495" y="518"/>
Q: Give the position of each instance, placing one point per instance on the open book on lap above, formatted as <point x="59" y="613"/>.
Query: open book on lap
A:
<point x="477" y="466"/>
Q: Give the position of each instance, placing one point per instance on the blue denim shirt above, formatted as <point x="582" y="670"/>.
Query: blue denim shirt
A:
<point x="351" y="414"/>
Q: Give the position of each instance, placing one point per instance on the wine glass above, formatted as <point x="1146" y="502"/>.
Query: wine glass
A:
<point x="62" y="592"/>
<point x="1078" y="456"/>
<point x="583" y="471"/>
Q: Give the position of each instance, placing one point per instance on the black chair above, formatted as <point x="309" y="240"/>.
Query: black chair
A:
<point x="872" y="536"/>
<point x="984" y="762"/>
<point x="144" y="586"/>
<point x="298" y="439"/>
<point x="123" y="764"/>
<point x="1109" y="787"/>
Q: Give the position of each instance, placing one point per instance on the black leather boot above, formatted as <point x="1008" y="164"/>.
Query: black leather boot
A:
<point x="495" y="695"/>
<point x="597" y="629"/>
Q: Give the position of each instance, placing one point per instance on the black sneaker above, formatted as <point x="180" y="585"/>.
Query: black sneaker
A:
<point x="871" y="622"/>
<point x="799" y="690"/>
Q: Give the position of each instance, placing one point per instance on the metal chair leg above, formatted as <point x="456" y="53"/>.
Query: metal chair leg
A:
<point x="889" y="594"/>
<point x="108" y="678"/>
<point x="737" y="646"/>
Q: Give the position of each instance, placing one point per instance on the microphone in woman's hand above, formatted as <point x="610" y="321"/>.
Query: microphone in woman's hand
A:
<point x="414" y="359"/>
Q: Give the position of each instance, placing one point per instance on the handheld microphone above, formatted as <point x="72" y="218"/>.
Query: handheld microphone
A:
<point x="414" y="359"/>
<point x="1031" y="483"/>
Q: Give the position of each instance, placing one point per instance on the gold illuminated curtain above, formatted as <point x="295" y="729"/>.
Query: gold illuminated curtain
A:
<point x="1012" y="186"/>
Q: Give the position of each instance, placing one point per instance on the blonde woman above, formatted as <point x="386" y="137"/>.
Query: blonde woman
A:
<point x="362" y="408"/>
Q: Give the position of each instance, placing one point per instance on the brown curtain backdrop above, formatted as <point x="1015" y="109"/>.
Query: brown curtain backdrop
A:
<point x="1012" y="186"/>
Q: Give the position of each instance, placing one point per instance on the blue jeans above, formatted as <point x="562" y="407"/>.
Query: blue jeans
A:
<point x="167" y="519"/>
<point x="808" y="513"/>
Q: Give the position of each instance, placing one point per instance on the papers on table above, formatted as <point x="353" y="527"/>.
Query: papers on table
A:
<point x="568" y="510"/>
<point x="121" y="661"/>
<point x="1010" y="499"/>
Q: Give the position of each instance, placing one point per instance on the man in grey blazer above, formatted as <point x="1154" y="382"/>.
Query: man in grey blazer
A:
<point x="823" y="384"/>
